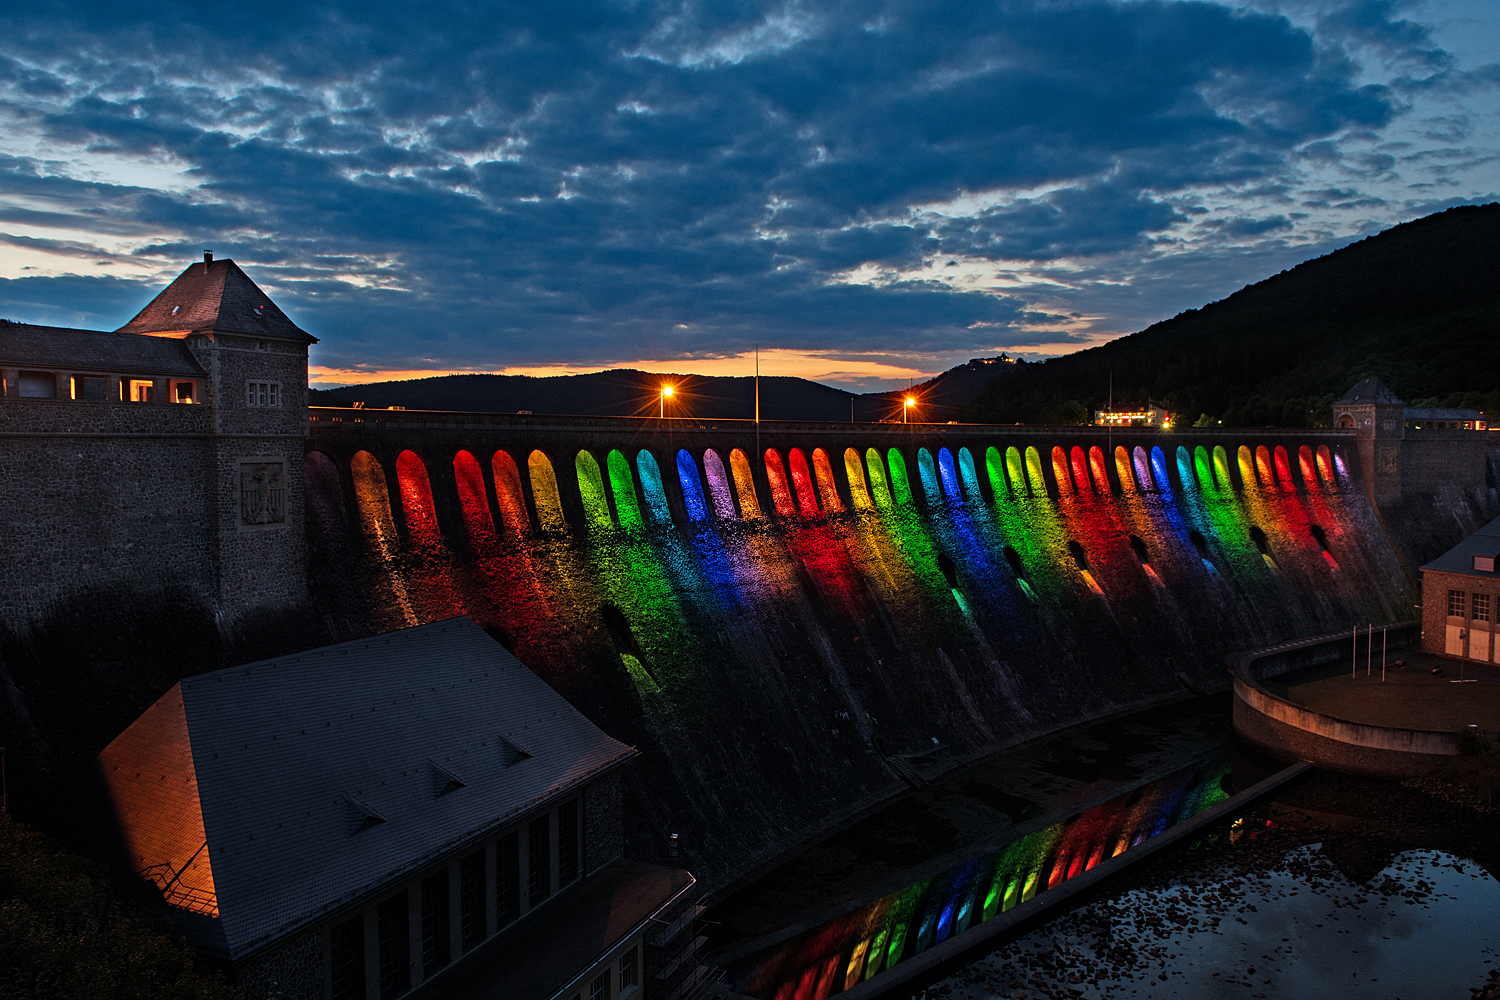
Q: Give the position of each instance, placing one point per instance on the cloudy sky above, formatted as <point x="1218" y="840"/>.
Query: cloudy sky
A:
<point x="869" y="191"/>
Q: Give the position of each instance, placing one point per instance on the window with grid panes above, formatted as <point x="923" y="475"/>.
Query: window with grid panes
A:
<point x="1481" y="607"/>
<point x="507" y="878"/>
<point x="435" y="924"/>
<point x="1456" y="603"/>
<point x="538" y="860"/>
<point x="393" y="933"/>
<point x="346" y="954"/>
<point x="629" y="969"/>
<point x="599" y="989"/>
<point x="471" y="900"/>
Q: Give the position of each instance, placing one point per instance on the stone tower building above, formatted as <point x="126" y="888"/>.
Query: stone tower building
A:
<point x="159" y="463"/>
<point x="1377" y="417"/>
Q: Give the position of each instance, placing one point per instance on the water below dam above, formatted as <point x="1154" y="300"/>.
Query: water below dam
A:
<point x="1328" y="886"/>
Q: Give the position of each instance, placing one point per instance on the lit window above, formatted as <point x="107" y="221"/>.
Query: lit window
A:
<point x="138" y="390"/>
<point x="182" y="392"/>
<point x="1481" y="607"/>
<point x="1456" y="603"/>
<point x="263" y="394"/>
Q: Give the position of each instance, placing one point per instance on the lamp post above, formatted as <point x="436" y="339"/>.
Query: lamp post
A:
<point x="666" y="392"/>
<point x="906" y="411"/>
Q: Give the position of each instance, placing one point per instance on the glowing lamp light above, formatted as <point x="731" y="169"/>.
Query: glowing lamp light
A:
<point x="666" y="393"/>
<point x="906" y="413"/>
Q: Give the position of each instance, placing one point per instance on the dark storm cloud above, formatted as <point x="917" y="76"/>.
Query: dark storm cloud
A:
<point x="591" y="181"/>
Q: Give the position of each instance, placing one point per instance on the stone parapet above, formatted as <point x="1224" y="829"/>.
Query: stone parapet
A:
<point x="1289" y="731"/>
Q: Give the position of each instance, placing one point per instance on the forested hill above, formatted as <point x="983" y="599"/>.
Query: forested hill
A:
<point x="1417" y="305"/>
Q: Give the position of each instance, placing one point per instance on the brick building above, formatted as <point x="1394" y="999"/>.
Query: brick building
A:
<point x="1461" y="597"/>
<point x="161" y="458"/>
<point x="385" y="815"/>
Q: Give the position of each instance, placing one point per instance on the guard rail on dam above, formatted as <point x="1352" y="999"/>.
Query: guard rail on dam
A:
<point x="771" y="613"/>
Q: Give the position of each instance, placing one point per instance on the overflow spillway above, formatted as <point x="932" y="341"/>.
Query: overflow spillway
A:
<point x="769" y="613"/>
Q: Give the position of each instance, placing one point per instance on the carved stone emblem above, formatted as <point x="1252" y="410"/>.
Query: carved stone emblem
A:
<point x="262" y="493"/>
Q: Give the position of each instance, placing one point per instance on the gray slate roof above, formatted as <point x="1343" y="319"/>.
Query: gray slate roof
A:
<point x="57" y="348"/>
<point x="1369" y="390"/>
<point x="292" y="753"/>
<point x="1460" y="558"/>
<point x="216" y="295"/>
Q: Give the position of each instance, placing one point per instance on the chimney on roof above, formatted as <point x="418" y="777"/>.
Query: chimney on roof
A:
<point x="208" y="258"/>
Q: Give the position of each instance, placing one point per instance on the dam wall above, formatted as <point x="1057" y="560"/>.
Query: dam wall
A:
<point x="784" y="617"/>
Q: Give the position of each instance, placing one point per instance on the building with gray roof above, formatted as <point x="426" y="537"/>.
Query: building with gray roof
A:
<point x="1461" y="598"/>
<point x="349" y="822"/>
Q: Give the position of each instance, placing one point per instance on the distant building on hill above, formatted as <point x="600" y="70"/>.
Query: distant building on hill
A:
<point x="352" y="822"/>
<point x="1408" y="450"/>
<point x="1148" y="416"/>
<point x="1461" y="598"/>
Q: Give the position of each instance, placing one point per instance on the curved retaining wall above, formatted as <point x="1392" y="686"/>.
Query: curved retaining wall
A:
<point x="1292" y="732"/>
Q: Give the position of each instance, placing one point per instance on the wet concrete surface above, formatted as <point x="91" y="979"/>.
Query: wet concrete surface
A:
<point x="1334" y="887"/>
<point x="1426" y="692"/>
<point x="972" y="810"/>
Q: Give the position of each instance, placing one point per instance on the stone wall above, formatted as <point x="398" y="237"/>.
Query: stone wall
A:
<point x="603" y="822"/>
<point x="291" y="970"/>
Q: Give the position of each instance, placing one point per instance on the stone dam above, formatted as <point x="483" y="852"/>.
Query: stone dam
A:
<point x="787" y="619"/>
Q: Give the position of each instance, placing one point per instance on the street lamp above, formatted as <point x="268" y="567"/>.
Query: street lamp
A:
<point x="906" y="413"/>
<point x="666" y="392"/>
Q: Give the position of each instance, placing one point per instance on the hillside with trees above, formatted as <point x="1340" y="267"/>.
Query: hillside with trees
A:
<point x="1417" y="305"/>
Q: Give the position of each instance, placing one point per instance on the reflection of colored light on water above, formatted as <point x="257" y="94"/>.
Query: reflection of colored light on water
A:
<point x="881" y="934"/>
<point x="474" y="502"/>
<point x="508" y="494"/>
<point x="544" y="492"/>
<point x="744" y="485"/>
<point x="692" y="487"/>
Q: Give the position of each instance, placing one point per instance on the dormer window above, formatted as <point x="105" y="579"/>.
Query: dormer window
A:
<point x="175" y="310"/>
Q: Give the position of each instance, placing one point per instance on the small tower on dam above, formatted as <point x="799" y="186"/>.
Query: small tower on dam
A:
<point x="161" y="463"/>
<point x="1377" y="418"/>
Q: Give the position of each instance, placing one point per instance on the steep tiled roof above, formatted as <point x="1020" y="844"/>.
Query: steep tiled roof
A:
<point x="324" y="775"/>
<point x="59" y="348"/>
<point x="1369" y="390"/>
<point x="215" y="295"/>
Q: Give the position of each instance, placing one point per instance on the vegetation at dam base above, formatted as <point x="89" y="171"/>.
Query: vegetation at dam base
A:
<point x="63" y="935"/>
